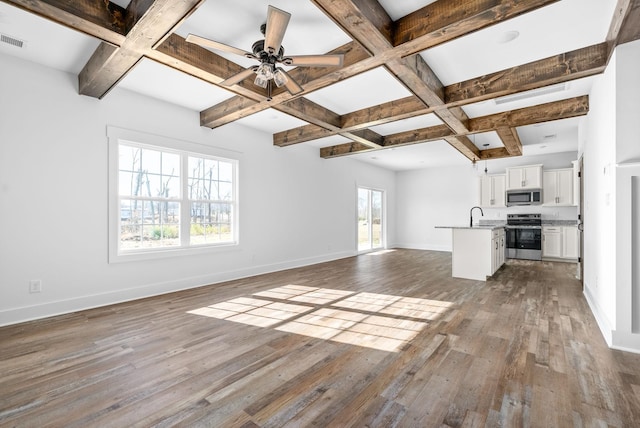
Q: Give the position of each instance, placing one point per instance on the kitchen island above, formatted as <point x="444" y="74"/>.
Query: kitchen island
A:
<point x="477" y="251"/>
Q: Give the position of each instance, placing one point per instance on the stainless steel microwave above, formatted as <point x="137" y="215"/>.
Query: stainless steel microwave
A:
<point x="524" y="197"/>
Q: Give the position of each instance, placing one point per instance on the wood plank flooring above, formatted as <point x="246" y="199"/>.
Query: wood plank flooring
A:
<point x="371" y="341"/>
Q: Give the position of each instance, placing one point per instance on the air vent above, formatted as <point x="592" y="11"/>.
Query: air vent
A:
<point x="533" y="93"/>
<point x="11" y="41"/>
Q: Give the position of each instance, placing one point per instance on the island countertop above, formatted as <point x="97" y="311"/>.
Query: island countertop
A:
<point x="474" y="227"/>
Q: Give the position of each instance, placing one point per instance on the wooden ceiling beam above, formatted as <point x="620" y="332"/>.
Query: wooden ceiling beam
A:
<point x="464" y="145"/>
<point x="561" y="68"/>
<point x="417" y="136"/>
<point x="445" y="20"/>
<point x="300" y="135"/>
<point x="630" y="26"/>
<point x="391" y="111"/>
<point x="148" y="23"/>
<point x="366" y="21"/>
<point x="497" y="153"/>
<point x="104" y="20"/>
<point x="510" y="140"/>
<point x="572" y="107"/>
<point x="343" y="149"/>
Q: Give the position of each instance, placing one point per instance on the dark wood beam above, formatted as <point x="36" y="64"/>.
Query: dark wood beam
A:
<point x="510" y="140"/>
<point x="464" y="145"/>
<point x="497" y="153"/>
<point x="630" y="25"/>
<point x="104" y="20"/>
<point x="148" y="22"/>
<point x="300" y="135"/>
<point x="557" y="110"/>
<point x="311" y="112"/>
<point x="446" y="20"/>
<point x="556" y="69"/>
<point x="343" y="149"/>
<point x="237" y="106"/>
<point x="365" y="136"/>
<point x="417" y="136"/>
<point x="391" y="111"/>
<point x="366" y="21"/>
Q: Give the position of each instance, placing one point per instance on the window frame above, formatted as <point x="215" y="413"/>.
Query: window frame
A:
<point x="184" y="149"/>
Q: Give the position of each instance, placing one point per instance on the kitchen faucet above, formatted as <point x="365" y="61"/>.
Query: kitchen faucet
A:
<point x="471" y="215"/>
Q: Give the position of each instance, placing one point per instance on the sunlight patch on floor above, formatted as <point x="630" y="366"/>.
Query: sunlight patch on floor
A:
<point x="373" y="320"/>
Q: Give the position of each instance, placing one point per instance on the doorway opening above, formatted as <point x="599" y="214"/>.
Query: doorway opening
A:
<point x="370" y="222"/>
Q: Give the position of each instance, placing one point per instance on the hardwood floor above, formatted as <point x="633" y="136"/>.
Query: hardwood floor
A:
<point x="377" y="340"/>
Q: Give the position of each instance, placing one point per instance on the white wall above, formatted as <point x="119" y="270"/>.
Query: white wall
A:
<point x="611" y="143"/>
<point x="599" y="161"/>
<point x="443" y="197"/>
<point x="295" y="208"/>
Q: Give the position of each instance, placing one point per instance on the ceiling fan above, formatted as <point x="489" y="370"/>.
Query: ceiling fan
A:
<point x="270" y="52"/>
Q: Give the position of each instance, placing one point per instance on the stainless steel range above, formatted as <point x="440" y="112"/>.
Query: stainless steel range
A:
<point x="524" y="236"/>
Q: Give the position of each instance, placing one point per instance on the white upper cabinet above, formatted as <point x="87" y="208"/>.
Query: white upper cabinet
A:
<point x="558" y="187"/>
<point x="492" y="188"/>
<point x="524" y="177"/>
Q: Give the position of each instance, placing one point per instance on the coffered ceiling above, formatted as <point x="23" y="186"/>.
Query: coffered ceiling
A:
<point x="423" y="82"/>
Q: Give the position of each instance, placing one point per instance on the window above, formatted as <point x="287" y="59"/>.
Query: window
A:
<point x="168" y="197"/>
<point x="370" y="224"/>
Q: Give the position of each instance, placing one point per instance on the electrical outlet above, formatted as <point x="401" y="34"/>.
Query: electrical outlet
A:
<point x="35" y="286"/>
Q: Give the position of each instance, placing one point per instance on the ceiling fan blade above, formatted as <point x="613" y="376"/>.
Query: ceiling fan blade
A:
<point x="277" y="21"/>
<point x="291" y="85"/>
<point x="192" y="38"/>
<point x="314" y="60"/>
<point x="237" y="78"/>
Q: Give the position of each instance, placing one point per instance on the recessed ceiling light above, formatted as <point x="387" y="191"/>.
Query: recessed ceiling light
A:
<point x="543" y="147"/>
<point x="508" y="36"/>
<point x="374" y="158"/>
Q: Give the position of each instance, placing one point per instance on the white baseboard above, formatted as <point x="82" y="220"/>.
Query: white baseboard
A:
<point x="601" y="318"/>
<point x="48" y="309"/>
<point x="626" y="341"/>
<point x="427" y="247"/>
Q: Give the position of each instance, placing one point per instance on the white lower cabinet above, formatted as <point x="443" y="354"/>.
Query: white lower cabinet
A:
<point x="571" y="242"/>
<point x="560" y="242"/>
<point x="497" y="249"/>
<point x="477" y="252"/>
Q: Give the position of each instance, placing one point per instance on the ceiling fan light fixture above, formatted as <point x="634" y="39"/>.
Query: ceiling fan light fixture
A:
<point x="261" y="80"/>
<point x="280" y="78"/>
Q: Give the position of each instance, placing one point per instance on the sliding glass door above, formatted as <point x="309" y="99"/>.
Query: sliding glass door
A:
<point x="370" y="224"/>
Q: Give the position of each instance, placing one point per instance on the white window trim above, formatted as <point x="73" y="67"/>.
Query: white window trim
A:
<point x="117" y="135"/>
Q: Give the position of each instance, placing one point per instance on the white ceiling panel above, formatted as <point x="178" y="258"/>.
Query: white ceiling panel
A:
<point x="271" y="121"/>
<point x="397" y="9"/>
<point x="158" y="81"/>
<point x="374" y="87"/>
<point x="433" y="154"/>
